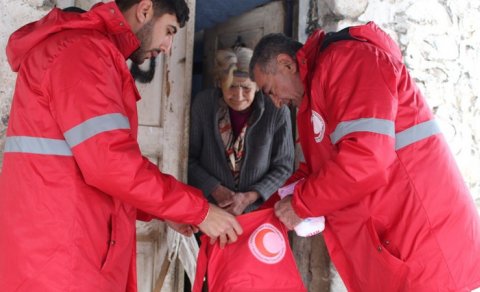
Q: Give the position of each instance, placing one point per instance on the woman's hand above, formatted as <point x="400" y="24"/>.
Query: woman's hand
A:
<point x="223" y="196"/>
<point x="241" y="201"/>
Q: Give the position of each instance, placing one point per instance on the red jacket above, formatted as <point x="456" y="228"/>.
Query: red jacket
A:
<point x="398" y="214"/>
<point x="73" y="176"/>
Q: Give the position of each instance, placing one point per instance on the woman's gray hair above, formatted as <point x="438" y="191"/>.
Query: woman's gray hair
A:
<point x="230" y="63"/>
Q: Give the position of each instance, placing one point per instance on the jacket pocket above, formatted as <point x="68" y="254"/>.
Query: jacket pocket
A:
<point x="111" y="243"/>
<point x="391" y="271"/>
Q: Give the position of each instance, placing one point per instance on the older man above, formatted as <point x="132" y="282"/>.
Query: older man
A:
<point x="398" y="214"/>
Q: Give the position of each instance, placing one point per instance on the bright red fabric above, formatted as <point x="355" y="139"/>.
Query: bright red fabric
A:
<point x="68" y="222"/>
<point x="261" y="259"/>
<point x="396" y="220"/>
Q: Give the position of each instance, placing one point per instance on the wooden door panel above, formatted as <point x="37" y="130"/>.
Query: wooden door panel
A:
<point x="248" y="37"/>
<point x="150" y="106"/>
<point x="145" y="260"/>
<point x="163" y="114"/>
<point x="148" y="138"/>
<point x="250" y="27"/>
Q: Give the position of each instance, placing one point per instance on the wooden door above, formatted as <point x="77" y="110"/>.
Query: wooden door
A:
<point x="248" y="28"/>
<point x="162" y="254"/>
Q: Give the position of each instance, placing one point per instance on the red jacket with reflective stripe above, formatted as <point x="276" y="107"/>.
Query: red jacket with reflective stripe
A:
<point x="398" y="217"/>
<point x="73" y="177"/>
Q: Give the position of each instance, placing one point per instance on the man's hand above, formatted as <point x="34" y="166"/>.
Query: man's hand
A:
<point x="286" y="214"/>
<point x="223" y="196"/>
<point x="184" y="229"/>
<point x="241" y="201"/>
<point x="220" y="224"/>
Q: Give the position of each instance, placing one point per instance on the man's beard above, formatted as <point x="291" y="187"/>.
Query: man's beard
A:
<point x="144" y="35"/>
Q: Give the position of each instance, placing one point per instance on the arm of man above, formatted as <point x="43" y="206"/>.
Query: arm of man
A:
<point x="362" y="105"/>
<point x="90" y="111"/>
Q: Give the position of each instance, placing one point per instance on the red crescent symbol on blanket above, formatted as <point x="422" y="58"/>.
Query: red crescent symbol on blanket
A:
<point x="267" y="244"/>
<point x="260" y="242"/>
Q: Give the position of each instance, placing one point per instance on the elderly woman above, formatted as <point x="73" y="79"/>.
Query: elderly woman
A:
<point x="241" y="147"/>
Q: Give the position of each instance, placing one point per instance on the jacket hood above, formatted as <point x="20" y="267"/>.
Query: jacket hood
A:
<point x="102" y="17"/>
<point x="316" y="42"/>
<point x="371" y="33"/>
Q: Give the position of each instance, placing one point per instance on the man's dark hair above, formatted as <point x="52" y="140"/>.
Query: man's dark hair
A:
<point x="269" y="47"/>
<point x="178" y="8"/>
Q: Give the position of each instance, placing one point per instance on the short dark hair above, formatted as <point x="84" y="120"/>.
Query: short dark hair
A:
<point x="269" y="47"/>
<point x="179" y="8"/>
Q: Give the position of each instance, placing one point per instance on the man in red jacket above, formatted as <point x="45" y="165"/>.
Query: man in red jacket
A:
<point x="73" y="179"/>
<point x="398" y="214"/>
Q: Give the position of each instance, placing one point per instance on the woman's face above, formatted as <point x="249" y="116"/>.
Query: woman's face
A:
<point x="239" y="96"/>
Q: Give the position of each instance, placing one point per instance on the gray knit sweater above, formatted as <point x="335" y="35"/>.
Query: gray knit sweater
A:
<point x="269" y="152"/>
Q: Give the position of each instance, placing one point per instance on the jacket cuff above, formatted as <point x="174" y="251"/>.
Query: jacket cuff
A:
<point x="298" y="205"/>
<point x="203" y="214"/>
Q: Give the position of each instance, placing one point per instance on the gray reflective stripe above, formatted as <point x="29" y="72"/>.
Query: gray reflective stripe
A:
<point x="94" y="126"/>
<point x="35" y="145"/>
<point x="416" y="133"/>
<point x="379" y="126"/>
<point x="386" y="127"/>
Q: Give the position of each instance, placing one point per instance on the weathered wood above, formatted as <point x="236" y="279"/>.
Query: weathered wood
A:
<point x="313" y="261"/>
<point x="250" y="27"/>
<point x="163" y="138"/>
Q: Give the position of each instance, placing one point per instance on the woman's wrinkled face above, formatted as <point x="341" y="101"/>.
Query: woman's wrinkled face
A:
<point x="240" y="94"/>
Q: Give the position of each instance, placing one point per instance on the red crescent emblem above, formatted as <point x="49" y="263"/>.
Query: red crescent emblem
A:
<point x="267" y="244"/>
<point x="260" y="243"/>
